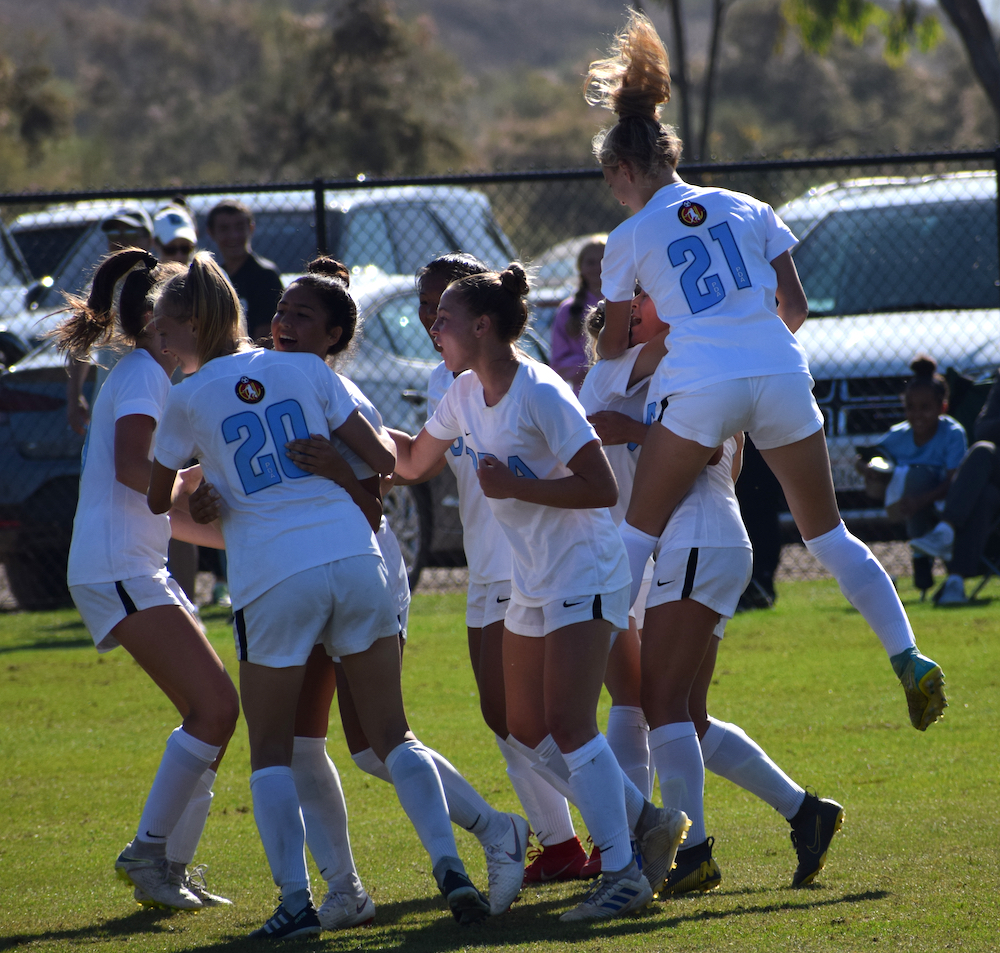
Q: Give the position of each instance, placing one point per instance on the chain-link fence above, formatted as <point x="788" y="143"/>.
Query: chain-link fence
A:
<point x="898" y="255"/>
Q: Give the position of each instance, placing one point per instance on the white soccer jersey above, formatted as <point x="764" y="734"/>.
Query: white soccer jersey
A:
<point x="536" y="429"/>
<point x="235" y="415"/>
<point x="606" y="388"/>
<point x="487" y="551"/>
<point x="115" y="536"/>
<point x="703" y="256"/>
<point x="399" y="583"/>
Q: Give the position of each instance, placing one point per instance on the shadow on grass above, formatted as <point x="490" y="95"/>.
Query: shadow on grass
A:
<point x="48" y="644"/>
<point x="525" y="924"/>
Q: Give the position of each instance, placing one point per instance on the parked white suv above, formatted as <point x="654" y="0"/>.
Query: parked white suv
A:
<point x="892" y="267"/>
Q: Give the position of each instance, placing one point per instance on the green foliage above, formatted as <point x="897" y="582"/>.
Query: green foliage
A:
<point x="905" y="27"/>
<point x="915" y="869"/>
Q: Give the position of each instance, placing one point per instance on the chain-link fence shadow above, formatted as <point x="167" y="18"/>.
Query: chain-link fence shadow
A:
<point x="898" y="255"/>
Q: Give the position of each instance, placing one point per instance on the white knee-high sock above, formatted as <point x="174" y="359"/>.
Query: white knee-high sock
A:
<point x="628" y="737"/>
<point x="279" y="820"/>
<point x="731" y="754"/>
<point x="419" y="790"/>
<point x="595" y="778"/>
<point x="466" y="806"/>
<point x="184" y="762"/>
<point x="324" y="810"/>
<point x="183" y="840"/>
<point x="547" y="810"/>
<point x="866" y="585"/>
<point x="369" y="762"/>
<point x="639" y="546"/>
<point x="677" y="755"/>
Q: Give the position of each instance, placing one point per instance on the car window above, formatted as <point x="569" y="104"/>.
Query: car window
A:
<point x="417" y="237"/>
<point x="475" y="232"/>
<point x="11" y="269"/>
<point x="365" y="241"/>
<point x="45" y="248"/>
<point x="395" y="327"/>
<point x="932" y="256"/>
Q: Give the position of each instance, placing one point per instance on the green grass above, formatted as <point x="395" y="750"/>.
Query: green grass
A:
<point x="915" y="867"/>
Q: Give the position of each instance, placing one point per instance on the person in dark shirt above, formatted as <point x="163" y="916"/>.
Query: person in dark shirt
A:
<point x="257" y="281"/>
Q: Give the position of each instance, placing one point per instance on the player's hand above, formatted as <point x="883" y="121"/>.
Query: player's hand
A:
<point x="614" y="428"/>
<point x="496" y="480"/>
<point x="318" y="455"/>
<point x="205" y="504"/>
<point x="78" y="416"/>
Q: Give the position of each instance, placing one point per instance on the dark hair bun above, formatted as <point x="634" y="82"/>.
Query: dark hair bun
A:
<point x="923" y="366"/>
<point x="324" y="265"/>
<point x="514" y="279"/>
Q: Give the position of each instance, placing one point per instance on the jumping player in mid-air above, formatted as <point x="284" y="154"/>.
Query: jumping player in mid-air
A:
<point x="715" y="262"/>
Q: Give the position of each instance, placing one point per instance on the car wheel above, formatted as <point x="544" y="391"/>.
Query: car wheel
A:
<point x="408" y="512"/>
<point x="36" y="569"/>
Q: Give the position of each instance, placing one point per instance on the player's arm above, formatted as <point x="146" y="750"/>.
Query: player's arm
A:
<point x="612" y="342"/>
<point x="133" y="438"/>
<point x="417" y="456"/>
<point x="591" y="484"/>
<point x="793" y="307"/>
<point x="375" y="447"/>
<point x="160" y="495"/>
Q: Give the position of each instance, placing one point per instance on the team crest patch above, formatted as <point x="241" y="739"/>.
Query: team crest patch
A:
<point x="691" y="214"/>
<point x="250" y="391"/>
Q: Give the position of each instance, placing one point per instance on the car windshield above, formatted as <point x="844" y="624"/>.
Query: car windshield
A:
<point x="45" y="248"/>
<point x="931" y="256"/>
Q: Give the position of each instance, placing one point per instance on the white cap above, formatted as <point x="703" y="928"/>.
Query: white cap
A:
<point x="174" y="222"/>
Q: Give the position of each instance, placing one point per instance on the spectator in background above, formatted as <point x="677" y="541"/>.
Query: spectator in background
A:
<point x="569" y="339"/>
<point x="760" y="497"/>
<point x="970" y="508"/>
<point x="175" y="237"/>
<point x="257" y="281"/>
<point x="128" y="227"/>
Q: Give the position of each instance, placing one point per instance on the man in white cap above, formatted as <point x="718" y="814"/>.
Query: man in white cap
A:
<point x="128" y="227"/>
<point x="175" y="237"/>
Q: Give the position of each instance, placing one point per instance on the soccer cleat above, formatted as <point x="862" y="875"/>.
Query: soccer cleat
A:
<point x="592" y="868"/>
<point x="813" y="828"/>
<point x="952" y="593"/>
<point x="193" y="880"/>
<point x="285" y="926"/>
<point x="153" y="878"/>
<point x="923" y="685"/>
<point x="563" y="861"/>
<point x="341" y="911"/>
<point x="663" y="835"/>
<point x="467" y="904"/>
<point x="612" y="898"/>
<point x="938" y="542"/>
<point x="695" y="871"/>
<point x="505" y="864"/>
<point x="220" y="595"/>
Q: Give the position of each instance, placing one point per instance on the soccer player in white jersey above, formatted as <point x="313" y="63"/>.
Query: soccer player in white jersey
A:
<point x="702" y="560"/>
<point x="549" y="484"/>
<point x="715" y="262"/>
<point x="303" y="567"/>
<point x="119" y="580"/>
<point x="487" y="554"/>
<point x="316" y="315"/>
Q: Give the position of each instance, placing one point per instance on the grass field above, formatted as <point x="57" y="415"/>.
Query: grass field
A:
<point x="915" y="867"/>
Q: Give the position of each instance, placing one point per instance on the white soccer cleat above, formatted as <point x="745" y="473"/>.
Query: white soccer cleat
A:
<point x="505" y="865"/>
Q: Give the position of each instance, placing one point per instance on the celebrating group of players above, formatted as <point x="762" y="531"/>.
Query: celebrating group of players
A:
<point x="589" y="561"/>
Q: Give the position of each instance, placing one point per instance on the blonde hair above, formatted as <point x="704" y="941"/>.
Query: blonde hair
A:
<point x="634" y="81"/>
<point x="203" y="294"/>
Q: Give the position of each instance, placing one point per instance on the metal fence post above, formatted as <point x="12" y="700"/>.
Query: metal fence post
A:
<point x="319" y="198"/>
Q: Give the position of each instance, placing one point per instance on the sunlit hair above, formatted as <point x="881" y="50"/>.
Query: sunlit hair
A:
<point x="202" y="293"/>
<point x="132" y="274"/>
<point x="634" y="81"/>
<point x="499" y="295"/>
<point x="329" y="279"/>
<point x="594" y="323"/>
<point x="452" y="267"/>
<point x="576" y="323"/>
<point x="925" y="375"/>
